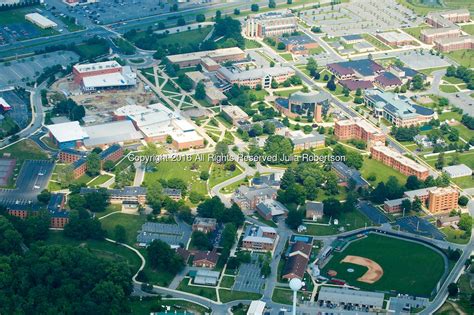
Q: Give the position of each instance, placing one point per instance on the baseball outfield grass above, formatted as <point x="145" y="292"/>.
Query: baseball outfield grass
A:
<point x="408" y="267"/>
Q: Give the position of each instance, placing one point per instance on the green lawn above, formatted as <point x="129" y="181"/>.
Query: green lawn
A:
<point x="250" y="44"/>
<point x="209" y="293"/>
<point x="464" y="57"/>
<point x="99" y="180"/>
<point x="25" y="150"/>
<point x="452" y="80"/>
<point x="193" y="37"/>
<point x="185" y="170"/>
<point x="131" y="223"/>
<point x="468" y="28"/>
<point x="455" y="236"/>
<point x="87" y="51"/>
<point x="416" y="274"/>
<point x="416" y="31"/>
<point x="418" y="6"/>
<point x="464" y="132"/>
<point x="375" y="42"/>
<point x="381" y="171"/>
<point x="227" y="282"/>
<point x="230" y="295"/>
<point x="449" y="116"/>
<point x="428" y="71"/>
<point x="70" y="24"/>
<point x="287" y="56"/>
<point x="448" y="88"/>
<point x="219" y="174"/>
<point x="285" y="296"/>
<point x="464" y="182"/>
<point x="102" y="249"/>
<point x="316" y="51"/>
<point x="146" y="306"/>
<point x="287" y="92"/>
<point x="350" y="221"/>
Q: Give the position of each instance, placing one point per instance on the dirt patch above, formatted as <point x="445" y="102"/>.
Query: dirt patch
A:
<point x="374" y="272"/>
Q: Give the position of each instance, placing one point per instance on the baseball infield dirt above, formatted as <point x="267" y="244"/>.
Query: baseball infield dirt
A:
<point x="372" y="275"/>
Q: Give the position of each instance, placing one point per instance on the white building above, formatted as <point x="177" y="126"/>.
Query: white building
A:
<point x="40" y="20"/>
<point x="256" y="308"/>
<point x="455" y="171"/>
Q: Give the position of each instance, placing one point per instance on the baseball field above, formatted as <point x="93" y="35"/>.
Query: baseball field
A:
<point x="384" y="263"/>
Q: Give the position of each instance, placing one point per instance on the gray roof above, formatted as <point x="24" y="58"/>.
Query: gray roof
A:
<point x="252" y="192"/>
<point x="272" y="207"/>
<point x="314" y="206"/>
<point x="345" y="295"/>
<point x="296" y="40"/>
<point x="119" y="131"/>
<point x="417" y="192"/>
<point x="459" y="170"/>
<point x="312" y="137"/>
<point x="126" y="191"/>
<point x="310" y="97"/>
<point x="395" y="202"/>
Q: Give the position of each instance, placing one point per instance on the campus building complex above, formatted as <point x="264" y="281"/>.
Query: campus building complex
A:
<point x="297" y="261"/>
<point x="397" y="161"/>
<point x="394" y="38"/>
<point x="359" y="129"/>
<point x="271" y="24"/>
<point x="445" y="34"/>
<point x="103" y="75"/>
<point x="253" y="77"/>
<point x="259" y="238"/>
<point x="398" y="110"/>
<point x="207" y="58"/>
<point x="298" y="44"/>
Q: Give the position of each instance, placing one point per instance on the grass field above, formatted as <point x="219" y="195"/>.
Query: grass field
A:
<point x="350" y="221"/>
<point x="455" y="236"/>
<point x="285" y="296"/>
<point x="131" y="223"/>
<point x="193" y="37"/>
<point x="150" y="305"/>
<point x="287" y="92"/>
<point x="25" y="150"/>
<point x="468" y="28"/>
<point x="209" y="293"/>
<point x="381" y="171"/>
<point x="464" y="57"/>
<point x="219" y="174"/>
<point x="227" y="282"/>
<point x="448" y="88"/>
<point x="228" y="295"/>
<point x="415" y="31"/>
<point x="250" y="44"/>
<point x="99" y="180"/>
<point x="183" y="170"/>
<point x="416" y="274"/>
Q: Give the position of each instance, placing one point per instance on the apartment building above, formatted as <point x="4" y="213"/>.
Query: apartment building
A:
<point x="397" y="161"/>
<point x="253" y="77"/>
<point x="247" y="198"/>
<point x="430" y="35"/>
<point x="271" y="24"/>
<point x="446" y="45"/>
<point x="360" y="129"/>
<point x="442" y="199"/>
<point x="447" y="18"/>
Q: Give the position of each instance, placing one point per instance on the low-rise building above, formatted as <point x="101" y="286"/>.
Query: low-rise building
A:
<point x="346" y="296"/>
<point x="217" y="55"/>
<point x="253" y="77"/>
<point x="398" y="110"/>
<point x="297" y="261"/>
<point x="112" y="153"/>
<point x="206" y="277"/>
<point x="456" y="171"/>
<point x="206" y="225"/>
<point x="234" y="114"/>
<point x="394" y="38"/>
<point x="68" y="155"/>
<point x="399" y="162"/>
<point x="355" y="69"/>
<point x="271" y="208"/>
<point x="304" y="104"/>
<point x="314" y="210"/>
<point x="172" y="193"/>
<point x="259" y="238"/>
<point x="299" y="44"/>
<point x="117" y="196"/>
<point x="40" y="20"/>
<point x="247" y="198"/>
<point x="256" y="308"/>
<point x="394" y="205"/>
<point x="303" y="141"/>
<point x="271" y="24"/>
<point x="352" y="39"/>
<point x="346" y="174"/>
<point x="205" y="259"/>
<point x="387" y="81"/>
<point x="445" y="221"/>
<point x="446" y="45"/>
<point x="360" y="129"/>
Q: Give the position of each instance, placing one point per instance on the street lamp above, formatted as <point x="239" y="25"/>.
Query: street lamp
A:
<point x="295" y="285"/>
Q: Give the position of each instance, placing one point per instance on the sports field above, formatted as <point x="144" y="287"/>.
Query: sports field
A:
<point x="407" y="267"/>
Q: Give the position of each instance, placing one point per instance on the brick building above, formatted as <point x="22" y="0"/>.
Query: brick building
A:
<point x="206" y="225"/>
<point x="271" y="24"/>
<point x="262" y="238"/>
<point x="398" y="161"/>
<point x="442" y="199"/>
<point x="359" y="129"/>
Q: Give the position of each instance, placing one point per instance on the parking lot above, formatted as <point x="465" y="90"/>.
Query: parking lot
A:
<point x="172" y="234"/>
<point x="249" y="279"/>
<point x="361" y="16"/>
<point x="111" y="11"/>
<point x="19" y="108"/>
<point x="33" y="178"/>
<point x="374" y="214"/>
<point x="23" y="70"/>
<point x="419" y="226"/>
<point x="423" y="60"/>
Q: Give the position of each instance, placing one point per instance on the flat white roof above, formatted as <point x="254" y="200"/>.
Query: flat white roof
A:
<point x="459" y="170"/>
<point x="218" y="53"/>
<point x="69" y="131"/>
<point x="107" y="80"/>
<point x="256" y="308"/>
<point x="89" y="67"/>
<point x="41" y="20"/>
<point x="4" y="103"/>
<point x="114" y="132"/>
<point x="183" y="137"/>
<point x="183" y="124"/>
<point x="395" y="36"/>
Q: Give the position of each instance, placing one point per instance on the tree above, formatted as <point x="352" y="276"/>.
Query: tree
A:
<point x="93" y="164"/>
<point x="236" y="12"/>
<point x="393" y="188"/>
<point x="120" y="233"/>
<point x="331" y="85"/>
<point x="266" y="270"/>
<point x="181" y="22"/>
<point x="77" y="113"/>
<point x="218" y="15"/>
<point x="331" y="207"/>
<point x="82" y="226"/>
<point x="279" y="147"/>
<point x="97" y="201"/>
<point x="417" y="82"/>
<point x="109" y="165"/>
<point x="294" y="218"/>
<point x="154" y="195"/>
<point x="289" y="1"/>
<point x="413" y="183"/>
<point x="254" y="7"/>
<point x="312" y="66"/>
<point x="440" y="161"/>
<point x="463" y="201"/>
<point x="200" y="18"/>
<point x="416" y="205"/>
<point x="453" y="289"/>
<point x="200" y="240"/>
<point x="281" y="46"/>
<point x="44" y="196"/>
<point x="161" y="257"/>
<point x="465" y="223"/>
<point x="406" y="206"/>
<point x="204" y="175"/>
<point x="10" y="239"/>
<point x="221" y="151"/>
<point x="200" y="92"/>
<point x="378" y="194"/>
<point x="271" y="4"/>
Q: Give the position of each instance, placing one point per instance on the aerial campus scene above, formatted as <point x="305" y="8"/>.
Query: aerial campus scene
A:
<point x="236" y="156"/>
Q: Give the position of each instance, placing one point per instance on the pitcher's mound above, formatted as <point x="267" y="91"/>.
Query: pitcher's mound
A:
<point x="374" y="272"/>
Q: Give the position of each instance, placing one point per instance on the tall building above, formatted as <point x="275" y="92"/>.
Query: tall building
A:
<point x="442" y="199"/>
<point x="360" y="129"/>
<point x="397" y="161"/>
<point x="271" y="24"/>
